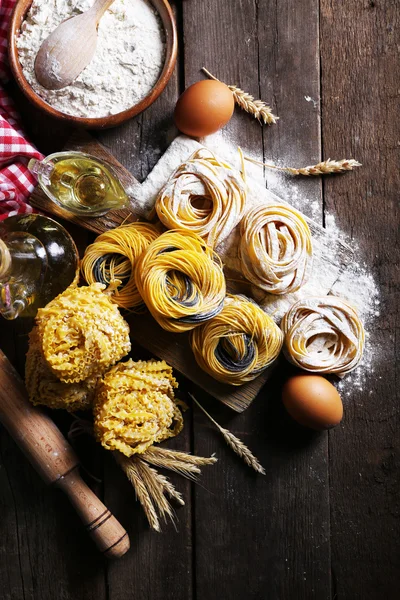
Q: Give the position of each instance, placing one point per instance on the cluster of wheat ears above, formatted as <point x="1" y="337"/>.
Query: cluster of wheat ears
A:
<point x="155" y="491"/>
<point x="262" y="112"/>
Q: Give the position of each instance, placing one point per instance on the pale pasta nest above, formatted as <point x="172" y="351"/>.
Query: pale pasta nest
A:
<point x="82" y="333"/>
<point x="275" y="248"/>
<point x="135" y="406"/>
<point x="323" y="335"/>
<point x="204" y="195"/>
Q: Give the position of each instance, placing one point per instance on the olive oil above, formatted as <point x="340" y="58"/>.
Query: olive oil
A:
<point x="80" y="183"/>
<point x="38" y="261"/>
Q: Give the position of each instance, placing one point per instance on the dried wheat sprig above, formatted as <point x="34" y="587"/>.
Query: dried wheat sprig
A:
<point x="184" y="469"/>
<point x="327" y="167"/>
<point x="182" y="456"/>
<point x="168" y="487"/>
<point x="155" y="489"/>
<point x="234" y="442"/>
<point x="131" y="471"/>
<point x="259" y="109"/>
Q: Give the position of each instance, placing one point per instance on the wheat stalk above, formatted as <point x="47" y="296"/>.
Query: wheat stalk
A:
<point x="326" y="167"/>
<point x="184" y="469"/>
<point x="168" y="487"/>
<point x="259" y="109"/>
<point x="131" y="471"/>
<point x="151" y="487"/>
<point x="155" y="489"/>
<point x="181" y="456"/>
<point x="235" y="443"/>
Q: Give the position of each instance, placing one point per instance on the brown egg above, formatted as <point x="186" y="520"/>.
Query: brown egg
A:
<point x="312" y="401"/>
<point x="203" y="108"/>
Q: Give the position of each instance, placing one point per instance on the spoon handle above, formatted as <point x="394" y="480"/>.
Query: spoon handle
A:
<point x="99" y="8"/>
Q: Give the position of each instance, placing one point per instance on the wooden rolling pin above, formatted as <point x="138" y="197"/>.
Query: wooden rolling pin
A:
<point x="55" y="461"/>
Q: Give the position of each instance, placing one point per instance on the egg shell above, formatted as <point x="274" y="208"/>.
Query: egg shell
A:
<point x="204" y="108"/>
<point x="312" y="401"/>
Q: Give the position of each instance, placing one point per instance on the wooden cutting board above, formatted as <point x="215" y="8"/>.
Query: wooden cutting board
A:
<point x="175" y="348"/>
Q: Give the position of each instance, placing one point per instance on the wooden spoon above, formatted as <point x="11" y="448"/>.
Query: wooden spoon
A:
<point x="70" y="48"/>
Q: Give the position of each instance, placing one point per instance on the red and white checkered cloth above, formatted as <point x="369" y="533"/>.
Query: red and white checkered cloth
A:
<point x="16" y="181"/>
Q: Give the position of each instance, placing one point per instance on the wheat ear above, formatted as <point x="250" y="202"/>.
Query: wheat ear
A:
<point x="184" y="457"/>
<point x="234" y="442"/>
<point x="186" y="470"/>
<point x="168" y="487"/>
<point x="131" y="471"/>
<point x="327" y="167"/>
<point x="155" y="489"/>
<point x="259" y="109"/>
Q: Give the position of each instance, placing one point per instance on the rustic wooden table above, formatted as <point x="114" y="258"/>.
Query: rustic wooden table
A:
<point x="324" y="522"/>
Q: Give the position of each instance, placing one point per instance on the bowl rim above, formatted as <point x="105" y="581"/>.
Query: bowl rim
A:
<point x="166" y="15"/>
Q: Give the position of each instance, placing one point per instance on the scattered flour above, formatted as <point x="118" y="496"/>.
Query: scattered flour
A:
<point x="338" y="265"/>
<point x="127" y="63"/>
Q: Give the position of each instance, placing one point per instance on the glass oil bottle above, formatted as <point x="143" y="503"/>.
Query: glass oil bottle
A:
<point x="38" y="261"/>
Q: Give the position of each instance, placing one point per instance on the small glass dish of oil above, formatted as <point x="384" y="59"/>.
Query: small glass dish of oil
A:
<point x="82" y="184"/>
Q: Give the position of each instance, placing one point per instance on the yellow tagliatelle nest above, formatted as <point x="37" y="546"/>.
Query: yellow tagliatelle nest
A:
<point x="204" y="195"/>
<point x="323" y="335"/>
<point x="238" y="344"/>
<point x="275" y="248"/>
<point x="44" y="388"/>
<point x="82" y="333"/>
<point x="181" y="280"/>
<point x="113" y="256"/>
<point x="135" y="406"/>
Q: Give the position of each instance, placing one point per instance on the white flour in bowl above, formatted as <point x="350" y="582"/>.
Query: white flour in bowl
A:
<point x="127" y="63"/>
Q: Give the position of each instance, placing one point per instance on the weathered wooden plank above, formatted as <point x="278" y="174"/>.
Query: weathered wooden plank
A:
<point x="262" y="537"/>
<point x="360" y="73"/>
<point x="39" y="530"/>
<point x="158" y="566"/>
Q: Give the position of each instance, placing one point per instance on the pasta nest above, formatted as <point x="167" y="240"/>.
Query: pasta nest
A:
<point x="181" y="280"/>
<point x="82" y="333"/>
<point x="135" y="406"/>
<point x="44" y="388"/>
<point x="275" y="248"/>
<point x="239" y="343"/>
<point x="323" y="335"/>
<point x="113" y="258"/>
<point x="204" y="195"/>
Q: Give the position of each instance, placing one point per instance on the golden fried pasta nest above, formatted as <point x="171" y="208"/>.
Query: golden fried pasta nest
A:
<point x="135" y="406"/>
<point x="82" y="333"/>
<point x="44" y="388"/>
<point x="238" y="344"/>
<point x="323" y="335"/>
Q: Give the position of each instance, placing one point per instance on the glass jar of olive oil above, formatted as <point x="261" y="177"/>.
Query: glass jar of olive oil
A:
<point x="38" y="261"/>
<point x="80" y="183"/>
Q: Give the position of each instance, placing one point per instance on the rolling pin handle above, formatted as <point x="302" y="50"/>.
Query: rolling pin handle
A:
<point x="55" y="461"/>
<point x="104" y="529"/>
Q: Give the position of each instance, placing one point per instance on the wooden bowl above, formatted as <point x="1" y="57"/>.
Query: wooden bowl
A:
<point x="171" y="38"/>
